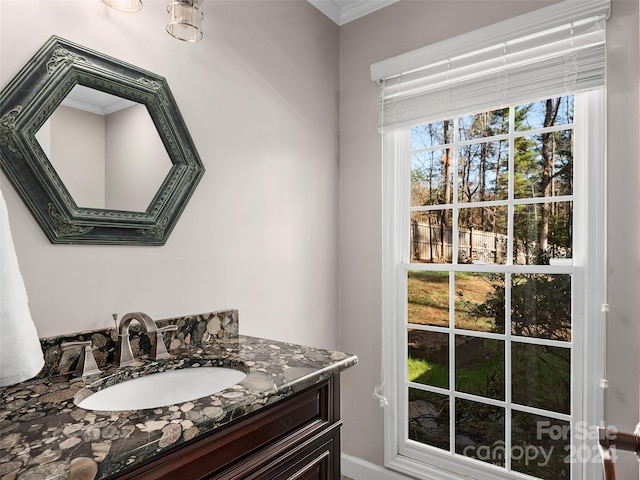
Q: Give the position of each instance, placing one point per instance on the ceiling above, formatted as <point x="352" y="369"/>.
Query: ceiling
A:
<point x="343" y="11"/>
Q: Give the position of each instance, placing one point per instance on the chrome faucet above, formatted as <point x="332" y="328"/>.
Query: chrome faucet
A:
<point x="158" y="348"/>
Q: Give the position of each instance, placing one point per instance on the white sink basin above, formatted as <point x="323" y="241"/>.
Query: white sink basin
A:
<point x="162" y="389"/>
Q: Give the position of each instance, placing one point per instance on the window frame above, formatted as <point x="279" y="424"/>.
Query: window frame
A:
<point x="589" y="277"/>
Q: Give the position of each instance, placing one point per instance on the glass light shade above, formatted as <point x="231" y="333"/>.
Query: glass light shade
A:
<point x="130" y="6"/>
<point x="185" y="19"/>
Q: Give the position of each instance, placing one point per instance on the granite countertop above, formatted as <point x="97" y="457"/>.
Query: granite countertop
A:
<point x="44" y="435"/>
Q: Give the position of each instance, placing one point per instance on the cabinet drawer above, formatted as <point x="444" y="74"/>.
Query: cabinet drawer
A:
<point x="307" y="412"/>
<point x="293" y="457"/>
<point x="315" y="467"/>
<point x="317" y="461"/>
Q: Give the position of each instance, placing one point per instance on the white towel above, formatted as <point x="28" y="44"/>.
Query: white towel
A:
<point x="21" y="355"/>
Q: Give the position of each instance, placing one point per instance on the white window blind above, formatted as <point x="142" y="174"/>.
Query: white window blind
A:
<point x="553" y="51"/>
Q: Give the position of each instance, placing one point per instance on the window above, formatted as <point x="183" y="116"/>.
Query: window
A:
<point x="493" y="272"/>
<point x="492" y="306"/>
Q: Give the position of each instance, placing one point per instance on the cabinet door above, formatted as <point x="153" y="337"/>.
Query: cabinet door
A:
<point x="296" y="438"/>
<point x="316" y="460"/>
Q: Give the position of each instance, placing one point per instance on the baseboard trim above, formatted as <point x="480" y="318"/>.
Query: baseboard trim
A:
<point x="359" y="469"/>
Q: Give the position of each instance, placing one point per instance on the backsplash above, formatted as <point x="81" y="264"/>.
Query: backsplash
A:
<point x="193" y="331"/>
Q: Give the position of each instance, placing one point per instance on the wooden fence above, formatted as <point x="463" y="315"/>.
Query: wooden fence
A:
<point x="434" y="244"/>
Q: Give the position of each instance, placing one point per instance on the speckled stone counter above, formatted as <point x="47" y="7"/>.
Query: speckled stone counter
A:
<point x="44" y="435"/>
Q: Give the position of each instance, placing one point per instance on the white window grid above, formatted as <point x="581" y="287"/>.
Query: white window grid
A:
<point x="574" y="269"/>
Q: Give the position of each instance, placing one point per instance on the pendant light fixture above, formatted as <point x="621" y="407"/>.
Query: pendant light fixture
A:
<point x="185" y="19"/>
<point x="185" y="16"/>
<point x="129" y="6"/>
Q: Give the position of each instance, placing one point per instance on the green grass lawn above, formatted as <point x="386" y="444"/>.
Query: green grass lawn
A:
<point x="421" y="371"/>
<point x="486" y="378"/>
<point x="428" y="299"/>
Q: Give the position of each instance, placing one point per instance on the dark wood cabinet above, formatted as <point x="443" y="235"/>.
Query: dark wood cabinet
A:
<point x="297" y="438"/>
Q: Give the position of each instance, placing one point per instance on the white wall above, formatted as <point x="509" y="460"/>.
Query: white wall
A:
<point x="78" y="154"/>
<point x="408" y="25"/>
<point x="260" y="97"/>
<point x="623" y="145"/>
<point x="136" y="161"/>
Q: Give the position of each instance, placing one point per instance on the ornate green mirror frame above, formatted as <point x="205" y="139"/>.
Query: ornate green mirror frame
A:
<point x="30" y="99"/>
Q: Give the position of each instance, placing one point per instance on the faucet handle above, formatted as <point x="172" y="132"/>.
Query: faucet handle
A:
<point x="86" y="363"/>
<point x="159" y="349"/>
<point x="167" y="328"/>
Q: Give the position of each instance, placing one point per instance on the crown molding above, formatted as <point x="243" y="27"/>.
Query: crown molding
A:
<point x="344" y="11"/>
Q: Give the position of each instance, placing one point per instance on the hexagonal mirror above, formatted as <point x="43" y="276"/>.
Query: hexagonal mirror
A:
<point x="96" y="148"/>
<point x="106" y="150"/>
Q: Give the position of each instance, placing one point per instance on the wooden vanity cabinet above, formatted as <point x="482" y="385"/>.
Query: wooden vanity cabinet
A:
<point x="295" y="438"/>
